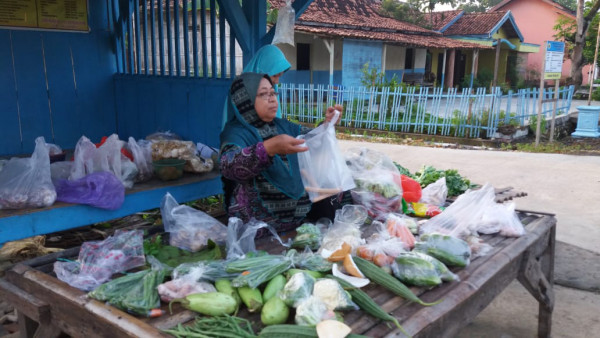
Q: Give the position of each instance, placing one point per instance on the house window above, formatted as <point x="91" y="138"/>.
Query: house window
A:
<point x="303" y="56"/>
<point x="409" y="58"/>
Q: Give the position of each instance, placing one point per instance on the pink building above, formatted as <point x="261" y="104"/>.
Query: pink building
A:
<point x="535" y="19"/>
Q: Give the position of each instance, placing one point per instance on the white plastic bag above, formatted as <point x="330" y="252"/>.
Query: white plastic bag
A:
<point x="501" y="218"/>
<point x="323" y="168"/>
<point x="240" y="237"/>
<point x="99" y="260"/>
<point x="284" y="30"/>
<point x="435" y="193"/>
<point x="142" y="157"/>
<point x="107" y="157"/>
<point x="463" y="216"/>
<point x="189" y="228"/>
<point x="26" y="182"/>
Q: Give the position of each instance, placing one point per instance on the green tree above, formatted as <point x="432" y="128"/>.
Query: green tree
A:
<point x="402" y="11"/>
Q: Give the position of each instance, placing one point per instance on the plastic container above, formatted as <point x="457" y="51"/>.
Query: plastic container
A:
<point x="168" y="169"/>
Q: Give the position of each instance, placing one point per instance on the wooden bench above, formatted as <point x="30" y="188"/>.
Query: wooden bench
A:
<point x="23" y="223"/>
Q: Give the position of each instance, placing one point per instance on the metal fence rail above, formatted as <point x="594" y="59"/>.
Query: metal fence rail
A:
<point x="465" y="113"/>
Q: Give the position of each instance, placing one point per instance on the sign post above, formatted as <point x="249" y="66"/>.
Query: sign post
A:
<point x="552" y="69"/>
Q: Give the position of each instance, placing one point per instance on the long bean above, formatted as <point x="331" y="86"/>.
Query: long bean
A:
<point x="213" y="327"/>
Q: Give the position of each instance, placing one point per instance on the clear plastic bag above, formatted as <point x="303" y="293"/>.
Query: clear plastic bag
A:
<point x="189" y="228"/>
<point x="284" y="30"/>
<point x="435" y="193"/>
<point x="297" y="289"/>
<point x="501" y="218"/>
<point x="330" y="292"/>
<point x="100" y="189"/>
<point x="60" y="170"/>
<point x="108" y="157"/>
<point x="27" y="182"/>
<point x="463" y="216"/>
<point x="376" y="187"/>
<point x="311" y="311"/>
<point x="419" y="269"/>
<point x="142" y="158"/>
<point x="240" y="237"/>
<point x="99" y="260"/>
<point x="345" y="228"/>
<point x="186" y="283"/>
<point x="323" y="168"/>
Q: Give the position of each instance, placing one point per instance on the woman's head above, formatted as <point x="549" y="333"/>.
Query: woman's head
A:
<point x="254" y="97"/>
<point x="269" y="60"/>
<point x="265" y="102"/>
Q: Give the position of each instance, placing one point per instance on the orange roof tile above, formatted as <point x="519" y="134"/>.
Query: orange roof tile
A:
<point x="475" y="23"/>
<point x="441" y="19"/>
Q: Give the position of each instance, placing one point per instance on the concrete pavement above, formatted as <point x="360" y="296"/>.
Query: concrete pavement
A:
<point x="566" y="185"/>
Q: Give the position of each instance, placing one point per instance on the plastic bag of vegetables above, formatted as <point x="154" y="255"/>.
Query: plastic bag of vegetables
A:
<point x="419" y="269"/>
<point x="307" y="235"/>
<point x="333" y="295"/>
<point x="448" y="249"/>
<point x="136" y="292"/>
<point x="240" y="237"/>
<point x="309" y="260"/>
<point x="299" y="287"/>
<point x="311" y="311"/>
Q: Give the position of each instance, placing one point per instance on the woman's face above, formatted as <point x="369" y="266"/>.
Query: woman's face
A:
<point x="275" y="78"/>
<point x="266" y="101"/>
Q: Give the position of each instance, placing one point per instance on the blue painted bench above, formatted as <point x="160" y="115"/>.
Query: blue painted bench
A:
<point x="19" y="224"/>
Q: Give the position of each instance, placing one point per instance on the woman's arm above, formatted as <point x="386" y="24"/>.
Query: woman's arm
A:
<point x="242" y="164"/>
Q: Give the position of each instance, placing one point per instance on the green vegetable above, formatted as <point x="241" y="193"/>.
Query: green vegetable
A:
<point x="450" y="250"/>
<point x="309" y="235"/>
<point x="215" y="327"/>
<point x="251" y="297"/>
<point x="314" y="274"/>
<point x="258" y="275"/>
<point x="295" y="331"/>
<point x="135" y="293"/>
<point x="273" y="287"/>
<point x="211" y="303"/>
<point x="224" y="286"/>
<point x="367" y="304"/>
<point x="415" y="269"/>
<point x="298" y="288"/>
<point x="274" y="312"/>
<point x="455" y="183"/>
<point x="377" y="275"/>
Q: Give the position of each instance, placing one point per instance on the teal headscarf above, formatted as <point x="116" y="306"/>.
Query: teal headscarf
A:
<point x="245" y="128"/>
<point x="269" y="60"/>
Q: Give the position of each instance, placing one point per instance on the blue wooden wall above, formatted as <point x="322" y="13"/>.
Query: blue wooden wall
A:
<point x="356" y="54"/>
<point x="57" y="84"/>
<point x="189" y="107"/>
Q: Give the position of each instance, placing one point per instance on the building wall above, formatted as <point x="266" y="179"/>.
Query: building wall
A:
<point x="538" y="28"/>
<point x="356" y="54"/>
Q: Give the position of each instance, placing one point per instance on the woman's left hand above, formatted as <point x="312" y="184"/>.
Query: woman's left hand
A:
<point x="330" y="113"/>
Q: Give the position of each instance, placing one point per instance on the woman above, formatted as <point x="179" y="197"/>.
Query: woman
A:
<point x="258" y="163"/>
<point x="268" y="60"/>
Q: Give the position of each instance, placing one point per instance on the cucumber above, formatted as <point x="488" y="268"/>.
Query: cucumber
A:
<point x="273" y="286"/>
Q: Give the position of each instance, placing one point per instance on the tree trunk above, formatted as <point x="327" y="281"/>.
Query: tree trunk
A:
<point x="577" y="55"/>
<point x="583" y="23"/>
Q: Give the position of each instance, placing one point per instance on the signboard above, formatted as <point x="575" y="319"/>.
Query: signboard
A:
<point x="47" y="14"/>
<point x="555" y="51"/>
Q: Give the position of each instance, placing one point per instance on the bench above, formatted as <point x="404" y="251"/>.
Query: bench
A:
<point x="23" y="223"/>
<point x="417" y="79"/>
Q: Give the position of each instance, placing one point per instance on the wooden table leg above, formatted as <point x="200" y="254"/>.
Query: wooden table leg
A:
<point x="537" y="276"/>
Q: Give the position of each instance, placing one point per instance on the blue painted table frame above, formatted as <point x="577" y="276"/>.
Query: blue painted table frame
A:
<point x="19" y="224"/>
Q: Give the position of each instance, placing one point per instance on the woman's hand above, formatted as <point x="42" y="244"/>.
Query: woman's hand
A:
<point x="330" y="113"/>
<point x="283" y="144"/>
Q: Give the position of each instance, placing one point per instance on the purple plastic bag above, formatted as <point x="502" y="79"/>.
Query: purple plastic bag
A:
<point x="99" y="189"/>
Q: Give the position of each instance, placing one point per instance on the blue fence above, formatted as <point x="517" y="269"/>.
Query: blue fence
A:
<point x="465" y="113"/>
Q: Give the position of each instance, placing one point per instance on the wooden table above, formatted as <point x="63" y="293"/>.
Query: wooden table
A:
<point x="57" y="307"/>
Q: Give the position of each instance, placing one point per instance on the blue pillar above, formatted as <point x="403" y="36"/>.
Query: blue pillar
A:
<point x="587" y="122"/>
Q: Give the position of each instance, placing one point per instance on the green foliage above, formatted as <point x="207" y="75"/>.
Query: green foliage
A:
<point x="470" y="6"/>
<point x="596" y="94"/>
<point x="484" y="79"/>
<point x="456" y="184"/>
<point x="403" y="11"/>
<point x="533" y="124"/>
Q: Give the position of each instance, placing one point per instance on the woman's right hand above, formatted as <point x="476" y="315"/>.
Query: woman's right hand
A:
<point x="283" y="144"/>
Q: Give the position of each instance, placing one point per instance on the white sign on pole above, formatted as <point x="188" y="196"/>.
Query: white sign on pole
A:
<point x="555" y="51"/>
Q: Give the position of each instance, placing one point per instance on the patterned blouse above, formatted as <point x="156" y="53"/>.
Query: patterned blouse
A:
<point x="244" y="167"/>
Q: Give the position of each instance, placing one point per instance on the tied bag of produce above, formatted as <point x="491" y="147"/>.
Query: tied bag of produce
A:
<point x="189" y="228"/>
<point x="27" y="182"/>
<point x="323" y="168"/>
